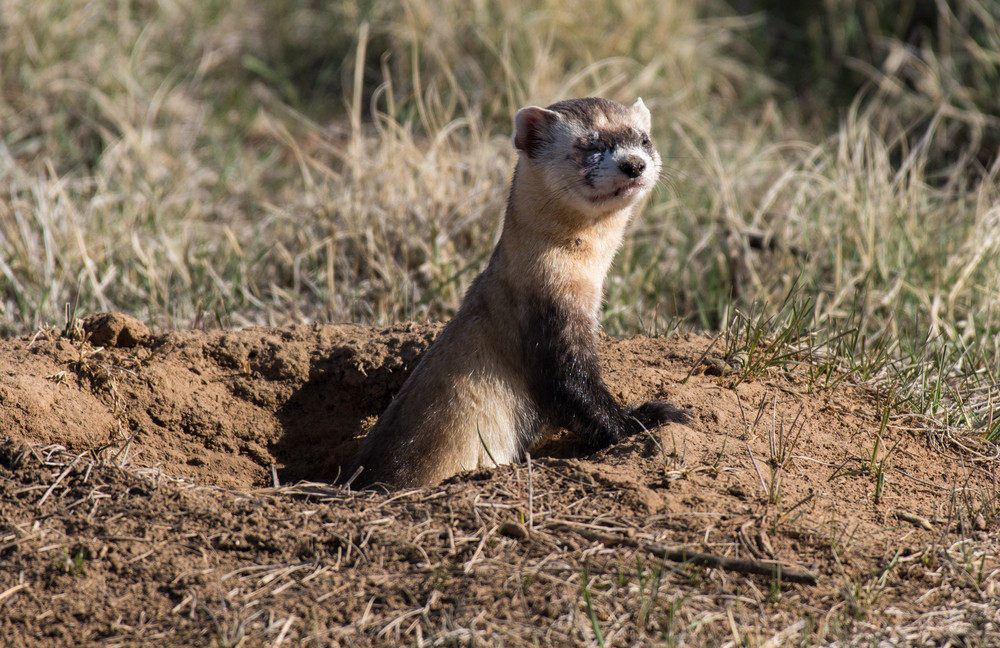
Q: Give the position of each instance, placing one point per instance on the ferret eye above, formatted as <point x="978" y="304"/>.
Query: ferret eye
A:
<point x="645" y="140"/>
<point x="591" y="145"/>
<point x="596" y="143"/>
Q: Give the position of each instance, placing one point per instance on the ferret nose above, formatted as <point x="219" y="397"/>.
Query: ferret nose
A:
<point x="632" y="166"/>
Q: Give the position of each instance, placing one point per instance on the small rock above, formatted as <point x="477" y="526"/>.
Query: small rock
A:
<point x="514" y="530"/>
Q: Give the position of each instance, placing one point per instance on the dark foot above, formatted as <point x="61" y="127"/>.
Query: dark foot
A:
<point x="652" y="414"/>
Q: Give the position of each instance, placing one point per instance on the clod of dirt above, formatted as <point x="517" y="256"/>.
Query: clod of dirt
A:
<point x="114" y="330"/>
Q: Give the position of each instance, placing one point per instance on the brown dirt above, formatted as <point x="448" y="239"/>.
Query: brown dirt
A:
<point x="139" y="506"/>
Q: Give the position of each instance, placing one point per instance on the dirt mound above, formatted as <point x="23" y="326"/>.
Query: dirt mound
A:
<point x="117" y="526"/>
<point x="219" y="407"/>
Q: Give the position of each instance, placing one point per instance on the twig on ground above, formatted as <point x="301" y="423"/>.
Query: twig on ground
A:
<point x="769" y="568"/>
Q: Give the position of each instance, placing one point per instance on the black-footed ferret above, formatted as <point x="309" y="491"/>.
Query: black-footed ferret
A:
<point x="519" y="358"/>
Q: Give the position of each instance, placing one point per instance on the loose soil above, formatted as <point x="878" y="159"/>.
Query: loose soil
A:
<point x="175" y="489"/>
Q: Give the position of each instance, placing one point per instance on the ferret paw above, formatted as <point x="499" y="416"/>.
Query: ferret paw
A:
<point x="655" y="413"/>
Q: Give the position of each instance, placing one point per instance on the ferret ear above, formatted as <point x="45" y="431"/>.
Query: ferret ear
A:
<point x="530" y="125"/>
<point x="642" y="114"/>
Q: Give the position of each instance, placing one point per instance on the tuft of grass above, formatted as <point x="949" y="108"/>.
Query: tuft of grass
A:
<point x="584" y="583"/>
<point x="74" y="561"/>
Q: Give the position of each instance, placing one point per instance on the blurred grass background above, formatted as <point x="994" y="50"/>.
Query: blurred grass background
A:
<point x="225" y="163"/>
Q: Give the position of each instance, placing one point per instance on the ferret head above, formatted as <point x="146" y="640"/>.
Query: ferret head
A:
<point x="594" y="154"/>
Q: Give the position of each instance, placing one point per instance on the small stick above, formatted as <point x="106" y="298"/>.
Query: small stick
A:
<point x="350" y="481"/>
<point x="914" y="519"/>
<point x="531" y="496"/>
<point x="703" y="355"/>
<point x="685" y="555"/>
<point x="124" y="448"/>
<point x="759" y="476"/>
<point x="12" y="591"/>
<point x="59" y="479"/>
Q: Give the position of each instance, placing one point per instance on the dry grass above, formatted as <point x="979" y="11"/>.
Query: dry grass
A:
<point x="149" y="180"/>
<point x="172" y="162"/>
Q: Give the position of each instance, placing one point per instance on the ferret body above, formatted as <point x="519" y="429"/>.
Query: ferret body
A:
<point x="519" y="358"/>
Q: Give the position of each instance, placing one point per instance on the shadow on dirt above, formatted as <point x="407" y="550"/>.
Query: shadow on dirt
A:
<point x="348" y="386"/>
